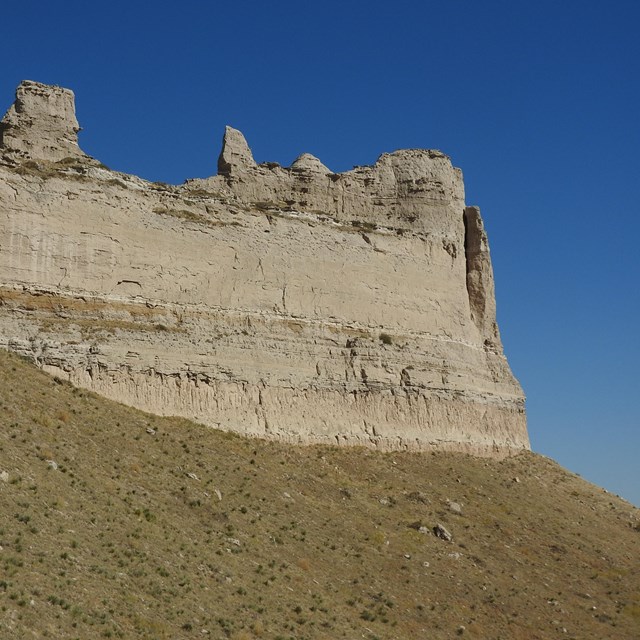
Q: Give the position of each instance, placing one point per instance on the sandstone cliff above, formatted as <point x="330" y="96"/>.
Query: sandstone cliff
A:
<point x="288" y="303"/>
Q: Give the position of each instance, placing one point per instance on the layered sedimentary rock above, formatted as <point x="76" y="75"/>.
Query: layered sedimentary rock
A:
<point x="41" y="123"/>
<point x="290" y="303"/>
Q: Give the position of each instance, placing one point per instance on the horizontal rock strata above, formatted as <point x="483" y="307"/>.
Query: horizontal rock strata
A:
<point x="290" y="303"/>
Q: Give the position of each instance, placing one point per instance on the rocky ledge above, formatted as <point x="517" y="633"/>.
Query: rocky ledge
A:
<point x="290" y="303"/>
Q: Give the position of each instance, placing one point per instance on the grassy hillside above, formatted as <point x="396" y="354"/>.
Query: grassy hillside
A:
<point x="118" y="524"/>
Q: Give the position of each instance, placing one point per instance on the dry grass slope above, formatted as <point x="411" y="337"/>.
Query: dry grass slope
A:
<point x="118" y="524"/>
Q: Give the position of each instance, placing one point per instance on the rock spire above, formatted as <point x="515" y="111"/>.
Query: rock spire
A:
<point x="235" y="154"/>
<point x="40" y="125"/>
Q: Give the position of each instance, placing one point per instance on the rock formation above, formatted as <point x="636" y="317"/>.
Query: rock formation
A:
<point x="288" y="303"/>
<point x="41" y="123"/>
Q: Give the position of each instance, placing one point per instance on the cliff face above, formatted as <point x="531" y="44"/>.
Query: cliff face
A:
<point x="288" y="303"/>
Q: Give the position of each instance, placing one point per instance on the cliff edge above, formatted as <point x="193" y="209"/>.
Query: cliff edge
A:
<point x="290" y="303"/>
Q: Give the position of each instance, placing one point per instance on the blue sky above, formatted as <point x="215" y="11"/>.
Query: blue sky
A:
<point x="538" y="104"/>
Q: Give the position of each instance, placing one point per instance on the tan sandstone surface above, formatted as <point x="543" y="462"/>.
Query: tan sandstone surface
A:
<point x="288" y="303"/>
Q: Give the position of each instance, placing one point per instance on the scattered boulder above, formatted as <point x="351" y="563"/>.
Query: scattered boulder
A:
<point x="418" y="526"/>
<point x="455" y="507"/>
<point x="418" y="496"/>
<point x="441" y="532"/>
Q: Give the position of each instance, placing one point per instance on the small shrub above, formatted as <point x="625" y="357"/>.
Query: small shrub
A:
<point x="304" y="564"/>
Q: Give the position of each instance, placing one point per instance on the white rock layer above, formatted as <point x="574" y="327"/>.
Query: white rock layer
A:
<point x="288" y="303"/>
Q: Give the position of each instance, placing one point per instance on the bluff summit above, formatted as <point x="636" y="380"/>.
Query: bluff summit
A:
<point x="289" y="303"/>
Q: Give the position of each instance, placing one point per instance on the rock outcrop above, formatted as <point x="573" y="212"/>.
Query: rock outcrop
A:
<point x="236" y="155"/>
<point x="288" y="303"/>
<point x="41" y="123"/>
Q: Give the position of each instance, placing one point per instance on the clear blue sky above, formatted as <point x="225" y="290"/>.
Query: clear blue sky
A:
<point x="537" y="102"/>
